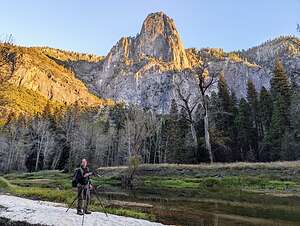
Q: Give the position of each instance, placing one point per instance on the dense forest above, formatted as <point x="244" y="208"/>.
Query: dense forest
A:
<point x="262" y="127"/>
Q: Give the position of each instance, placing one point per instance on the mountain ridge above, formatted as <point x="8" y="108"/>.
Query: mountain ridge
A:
<point x="143" y="69"/>
<point x="148" y="81"/>
<point x="23" y="69"/>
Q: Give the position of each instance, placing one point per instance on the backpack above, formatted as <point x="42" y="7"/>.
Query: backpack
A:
<point x="74" y="178"/>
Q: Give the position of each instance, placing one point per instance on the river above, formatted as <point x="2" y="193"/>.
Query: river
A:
<point x="215" y="208"/>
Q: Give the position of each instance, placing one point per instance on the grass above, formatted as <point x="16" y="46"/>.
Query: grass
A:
<point x="56" y="187"/>
<point x="227" y="182"/>
<point x="144" y="168"/>
<point x="37" y="192"/>
<point x="235" y="165"/>
<point x="170" y="183"/>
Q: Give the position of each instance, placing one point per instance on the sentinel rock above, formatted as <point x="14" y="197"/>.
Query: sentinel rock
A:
<point x="159" y="38"/>
<point x="144" y="70"/>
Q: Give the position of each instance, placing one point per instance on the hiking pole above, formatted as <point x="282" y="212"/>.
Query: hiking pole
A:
<point x="74" y="200"/>
<point x="101" y="204"/>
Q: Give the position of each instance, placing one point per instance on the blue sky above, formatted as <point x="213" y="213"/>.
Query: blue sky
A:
<point x="94" y="26"/>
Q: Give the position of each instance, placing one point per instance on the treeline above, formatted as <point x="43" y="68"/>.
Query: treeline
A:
<point x="264" y="126"/>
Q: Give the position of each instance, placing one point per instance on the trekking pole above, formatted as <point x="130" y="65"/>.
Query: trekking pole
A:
<point x="101" y="204"/>
<point x="74" y="200"/>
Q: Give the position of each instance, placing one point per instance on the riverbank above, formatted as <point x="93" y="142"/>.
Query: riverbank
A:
<point x="276" y="169"/>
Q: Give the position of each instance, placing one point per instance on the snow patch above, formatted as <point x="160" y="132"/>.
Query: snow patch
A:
<point x="48" y="213"/>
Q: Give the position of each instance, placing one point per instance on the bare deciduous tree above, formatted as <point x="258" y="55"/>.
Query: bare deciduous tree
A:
<point x="139" y="126"/>
<point x="12" y="145"/>
<point x="188" y="105"/>
<point x="41" y="139"/>
<point x="205" y="80"/>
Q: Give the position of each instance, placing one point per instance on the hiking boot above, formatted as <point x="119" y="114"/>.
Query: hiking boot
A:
<point x="79" y="212"/>
<point x="87" y="212"/>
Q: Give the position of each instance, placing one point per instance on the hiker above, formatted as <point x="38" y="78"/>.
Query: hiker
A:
<point x="83" y="188"/>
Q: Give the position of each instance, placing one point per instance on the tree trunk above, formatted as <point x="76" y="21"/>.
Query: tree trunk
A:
<point x="9" y="158"/>
<point x="37" y="160"/>
<point x="206" y="132"/>
<point x="194" y="134"/>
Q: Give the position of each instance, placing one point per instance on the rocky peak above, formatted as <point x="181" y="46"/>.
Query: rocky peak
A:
<point x="158" y="38"/>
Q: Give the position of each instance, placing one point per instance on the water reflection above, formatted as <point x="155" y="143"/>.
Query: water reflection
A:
<point x="195" y="209"/>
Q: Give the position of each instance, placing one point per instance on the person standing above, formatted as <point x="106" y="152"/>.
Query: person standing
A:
<point x="83" y="188"/>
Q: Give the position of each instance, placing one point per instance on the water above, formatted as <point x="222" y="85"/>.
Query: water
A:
<point x="217" y="208"/>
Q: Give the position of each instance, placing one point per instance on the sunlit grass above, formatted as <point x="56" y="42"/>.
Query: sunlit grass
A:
<point x="228" y="182"/>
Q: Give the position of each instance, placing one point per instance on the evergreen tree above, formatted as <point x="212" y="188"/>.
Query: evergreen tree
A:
<point x="280" y="122"/>
<point x="253" y="101"/>
<point x="233" y="129"/>
<point x="234" y="103"/>
<point x="265" y="106"/>
<point x="291" y="140"/>
<point x="280" y="84"/>
<point x="223" y="118"/>
<point x="174" y="137"/>
<point x="255" y="116"/>
<point x="277" y="128"/>
<point x="223" y="93"/>
<point x="245" y="134"/>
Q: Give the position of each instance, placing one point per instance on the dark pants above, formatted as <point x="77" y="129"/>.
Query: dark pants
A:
<point x="84" y="197"/>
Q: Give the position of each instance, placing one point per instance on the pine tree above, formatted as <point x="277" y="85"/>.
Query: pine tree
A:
<point x="233" y="130"/>
<point x="223" y="119"/>
<point x="291" y="140"/>
<point x="173" y="136"/>
<point x="255" y="116"/>
<point x="223" y="93"/>
<point x="245" y="135"/>
<point x="234" y="103"/>
<point x="265" y="106"/>
<point x="277" y="128"/>
<point x="253" y="101"/>
<point x="280" y="84"/>
<point x="280" y="122"/>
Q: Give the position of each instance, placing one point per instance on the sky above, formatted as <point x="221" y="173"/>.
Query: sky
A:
<point x="94" y="26"/>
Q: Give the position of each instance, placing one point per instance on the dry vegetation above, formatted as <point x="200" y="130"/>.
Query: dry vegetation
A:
<point x="29" y="93"/>
<point x="22" y="101"/>
<point x="235" y="165"/>
<point x="69" y="55"/>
